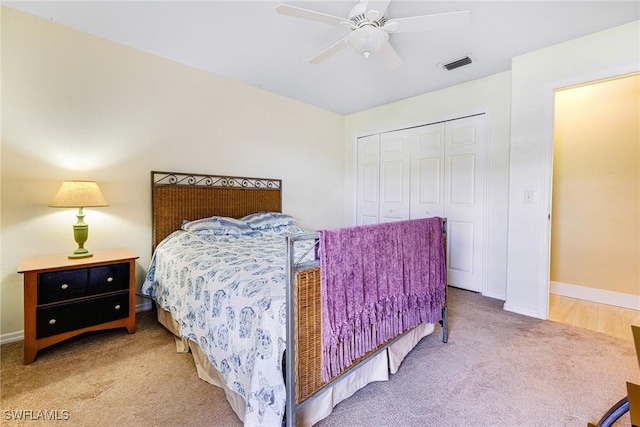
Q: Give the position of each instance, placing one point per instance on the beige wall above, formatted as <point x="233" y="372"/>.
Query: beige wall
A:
<point x="596" y="186"/>
<point x="75" y="106"/>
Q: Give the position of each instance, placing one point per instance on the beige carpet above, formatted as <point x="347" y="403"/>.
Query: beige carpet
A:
<point x="498" y="369"/>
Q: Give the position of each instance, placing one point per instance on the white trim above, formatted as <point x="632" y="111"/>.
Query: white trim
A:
<point x="486" y="208"/>
<point x="602" y="296"/>
<point x="11" y="337"/>
<point x="354" y="197"/>
<point x="545" y="201"/>
<point x="544" y="275"/>
<point x="19" y="335"/>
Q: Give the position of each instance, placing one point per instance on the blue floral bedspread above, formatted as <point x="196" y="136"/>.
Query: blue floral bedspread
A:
<point x="228" y="295"/>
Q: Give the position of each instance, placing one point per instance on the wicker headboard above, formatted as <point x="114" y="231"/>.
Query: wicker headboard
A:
<point x="178" y="196"/>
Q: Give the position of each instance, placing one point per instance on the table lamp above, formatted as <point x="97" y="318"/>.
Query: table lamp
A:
<point x="79" y="194"/>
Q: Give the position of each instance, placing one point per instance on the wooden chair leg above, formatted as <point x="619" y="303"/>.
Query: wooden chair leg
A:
<point x="633" y="392"/>
<point x="636" y="340"/>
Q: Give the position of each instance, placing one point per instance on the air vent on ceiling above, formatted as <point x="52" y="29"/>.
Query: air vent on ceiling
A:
<point x="457" y="63"/>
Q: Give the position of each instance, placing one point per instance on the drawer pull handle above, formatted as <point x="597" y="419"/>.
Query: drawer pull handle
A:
<point x="117" y="307"/>
<point x="64" y="286"/>
<point x="109" y="279"/>
<point x="52" y="321"/>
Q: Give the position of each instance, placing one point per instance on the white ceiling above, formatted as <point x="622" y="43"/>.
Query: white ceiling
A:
<point x="249" y="42"/>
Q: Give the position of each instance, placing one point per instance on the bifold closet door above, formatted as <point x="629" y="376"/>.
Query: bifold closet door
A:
<point x="368" y="180"/>
<point x="447" y="180"/>
<point x="395" y="162"/>
<point x="427" y="171"/>
<point x="464" y="199"/>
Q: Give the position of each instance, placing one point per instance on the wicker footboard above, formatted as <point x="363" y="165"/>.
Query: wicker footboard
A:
<point x="308" y="334"/>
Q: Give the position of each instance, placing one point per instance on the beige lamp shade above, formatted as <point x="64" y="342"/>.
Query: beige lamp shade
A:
<point x="78" y="194"/>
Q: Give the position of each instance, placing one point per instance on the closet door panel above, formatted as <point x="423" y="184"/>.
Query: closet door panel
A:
<point x="395" y="158"/>
<point x="427" y="171"/>
<point x="462" y="177"/>
<point x="460" y="238"/>
<point x="464" y="201"/>
<point x="368" y="180"/>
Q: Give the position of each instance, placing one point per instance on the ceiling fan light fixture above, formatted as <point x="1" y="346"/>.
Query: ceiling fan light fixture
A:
<point x="370" y="28"/>
<point x="368" y="40"/>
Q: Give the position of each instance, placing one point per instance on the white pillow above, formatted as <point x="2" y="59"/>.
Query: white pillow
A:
<point x="264" y="220"/>
<point x="217" y="225"/>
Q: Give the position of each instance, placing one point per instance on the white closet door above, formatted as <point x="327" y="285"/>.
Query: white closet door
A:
<point x="427" y="171"/>
<point x="368" y="180"/>
<point x="395" y="161"/>
<point x="464" y="201"/>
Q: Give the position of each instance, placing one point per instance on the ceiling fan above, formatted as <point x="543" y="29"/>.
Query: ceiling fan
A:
<point x="370" y="28"/>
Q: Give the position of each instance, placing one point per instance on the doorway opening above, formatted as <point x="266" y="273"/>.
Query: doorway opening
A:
<point x="595" y="215"/>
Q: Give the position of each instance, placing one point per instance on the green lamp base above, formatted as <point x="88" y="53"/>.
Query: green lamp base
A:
<point x="80" y="234"/>
<point x="80" y="253"/>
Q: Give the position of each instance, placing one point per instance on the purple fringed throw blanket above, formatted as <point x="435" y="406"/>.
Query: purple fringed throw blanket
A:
<point x="377" y="281"/>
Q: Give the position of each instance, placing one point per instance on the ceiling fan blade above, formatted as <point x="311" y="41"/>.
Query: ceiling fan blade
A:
<point x="334" y="48"/>
<point x="297" y="12"/>
<point x="439" y="21"/>
<point x="389" y="56"/>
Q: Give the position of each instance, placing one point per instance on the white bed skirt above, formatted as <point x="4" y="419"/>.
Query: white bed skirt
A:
<point x="377" y="369"/>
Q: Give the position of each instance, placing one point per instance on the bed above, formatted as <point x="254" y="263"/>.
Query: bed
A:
<point x="266" y="348"/>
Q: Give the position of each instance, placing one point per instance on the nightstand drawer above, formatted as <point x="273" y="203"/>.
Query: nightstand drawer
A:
<point x="62" y="285"/>
<point x="65" y="317"/>
<point x="66" y="285"/>
<point x="108" y="278"/>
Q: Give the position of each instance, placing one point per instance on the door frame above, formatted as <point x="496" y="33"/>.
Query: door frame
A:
<point x="544" y="274"/>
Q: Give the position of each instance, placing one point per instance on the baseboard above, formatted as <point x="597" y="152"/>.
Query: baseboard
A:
<point x="11" y="337"/>
<point x="19" y="335"/>
<point x="617" y="299"/>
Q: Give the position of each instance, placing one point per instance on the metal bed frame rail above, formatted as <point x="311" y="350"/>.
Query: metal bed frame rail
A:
<point x="294" y="266"/>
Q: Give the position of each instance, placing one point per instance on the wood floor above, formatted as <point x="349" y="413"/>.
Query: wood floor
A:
<point x="607" y="319"/>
